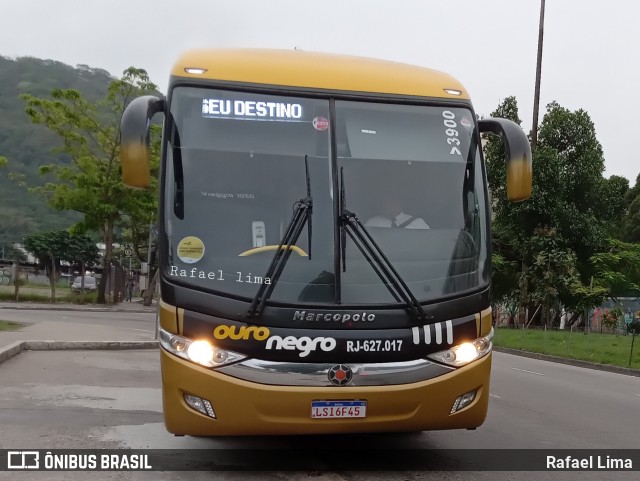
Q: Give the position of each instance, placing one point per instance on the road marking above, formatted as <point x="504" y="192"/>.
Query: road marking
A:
<point x="530" y="372"/>
<point x="637" y="395"/>
<point x="495" y="396"/>
<point x="141" y="330"/>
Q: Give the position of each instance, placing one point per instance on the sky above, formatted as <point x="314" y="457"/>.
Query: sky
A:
<point x="590" y="55"/>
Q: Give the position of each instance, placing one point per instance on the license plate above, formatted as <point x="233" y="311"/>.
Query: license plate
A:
<point x="338" y="409"/>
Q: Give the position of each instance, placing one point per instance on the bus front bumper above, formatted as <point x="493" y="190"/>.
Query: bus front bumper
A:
<point x="248" y="408"/>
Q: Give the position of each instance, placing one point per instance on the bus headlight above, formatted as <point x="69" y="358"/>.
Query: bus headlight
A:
<point x="197" y="351"/>
<point x="464" y="353"/>
<point x="200" y="352"/>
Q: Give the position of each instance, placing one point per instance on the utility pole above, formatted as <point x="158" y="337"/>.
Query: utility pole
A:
<point x="536" y="97"/>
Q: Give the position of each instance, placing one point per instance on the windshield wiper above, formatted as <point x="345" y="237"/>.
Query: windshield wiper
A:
<point x="302" y="211"/>
<point x="351" y="225"/>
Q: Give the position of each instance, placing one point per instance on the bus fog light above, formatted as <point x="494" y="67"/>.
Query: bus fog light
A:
<point x="209" y="408"/>
<point x="463" y="401"/>
<point x="203" y="406"/>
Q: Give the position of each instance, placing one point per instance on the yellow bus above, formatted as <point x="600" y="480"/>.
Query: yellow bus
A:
<point x="324" y="243"/>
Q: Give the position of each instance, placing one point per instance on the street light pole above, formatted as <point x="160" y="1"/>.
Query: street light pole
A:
<point x="536" y="97"/>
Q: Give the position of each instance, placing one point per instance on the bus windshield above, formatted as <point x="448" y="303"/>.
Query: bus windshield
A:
<point x="236" y="171"/>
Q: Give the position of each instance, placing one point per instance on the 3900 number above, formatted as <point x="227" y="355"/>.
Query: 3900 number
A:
<point x="451" y="132"/>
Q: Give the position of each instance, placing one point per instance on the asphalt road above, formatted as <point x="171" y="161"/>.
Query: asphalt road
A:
<point x="112" y="400"/>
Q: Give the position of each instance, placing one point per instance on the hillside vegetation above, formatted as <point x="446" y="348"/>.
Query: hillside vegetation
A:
<point x="27" y="146"/>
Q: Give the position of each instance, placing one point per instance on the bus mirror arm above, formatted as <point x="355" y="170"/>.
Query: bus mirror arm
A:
<point x="518" y="156"/>
<point x="134" y="139"/>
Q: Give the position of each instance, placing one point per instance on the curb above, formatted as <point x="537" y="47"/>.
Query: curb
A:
<point x="17" y="347"/>
<point x="627" y="371"/>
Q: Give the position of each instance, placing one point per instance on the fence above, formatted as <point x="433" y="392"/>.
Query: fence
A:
<point x="114" y="291"/>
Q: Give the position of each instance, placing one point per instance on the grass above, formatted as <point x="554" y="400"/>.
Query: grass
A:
<point x="594" y="347"/>
<point x="9" y="325"/>
<point x="27" y="294"/>
<point x="41" y="291"/>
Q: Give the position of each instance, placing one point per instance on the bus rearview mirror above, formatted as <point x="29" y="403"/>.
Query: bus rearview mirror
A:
<point x="134" y="140"/>
<point x="518" y="156"/>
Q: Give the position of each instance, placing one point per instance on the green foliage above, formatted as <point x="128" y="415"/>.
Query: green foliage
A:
<point x="581" y="297"/>
<point x="572" y="135"/>
<point x="504" y="279"/>
<point x="630" y="225"/>
<point x="550" y="272"/>
<point x="600" y="348"/>
<point x="49" y="247"/>
<point x="495" y="158"/>
<point x="10" y="253"/>
<point x="611" y="318"/>
<point x="618" y="269"/>
<point x="578" y="167"/>
<point x="55" y="246"/>
<point x="545" y="245"/>
<point x="25" y="146"/>
<point x="89" y="135"/>
<point x="81" y="249"/>
<point x="612" y="204"/>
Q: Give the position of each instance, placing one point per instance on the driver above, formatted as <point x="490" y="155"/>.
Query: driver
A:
<point x="392" y="215"/>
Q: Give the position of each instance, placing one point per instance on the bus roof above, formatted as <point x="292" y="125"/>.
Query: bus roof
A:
<point x="295" y="68"/>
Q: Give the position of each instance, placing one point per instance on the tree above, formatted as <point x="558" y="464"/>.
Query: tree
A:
<point x="495" y="159"/>
<point x="55" y="246"/>
<point x="572" y="136"/>
<point x="618" y="269"/>
<point x="50" y="248"/>
<point x="90" y="135"/>
<point x="83" y="252"/>
<point x="630" y="225"/>
<point x="28" y="145"/>
<point x="611" y="318"/>
<point x="505" y="268"/>
<point x="552" y="236"/>
<point x="612" y="204"/>
<point x="11" y="253"/>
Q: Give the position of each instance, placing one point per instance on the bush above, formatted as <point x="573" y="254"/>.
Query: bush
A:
<point x="77" y="298"/>
<point x="634" y="326"/>
<point x="611" y="318"/>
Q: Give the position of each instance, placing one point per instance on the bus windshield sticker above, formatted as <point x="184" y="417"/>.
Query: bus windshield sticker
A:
<point x="320" y="123"/>
<point x="466" y="122"/>
<point x="190" y="250"/>
<point x="251" y="110"/>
